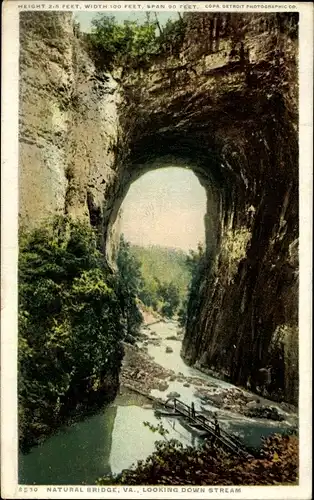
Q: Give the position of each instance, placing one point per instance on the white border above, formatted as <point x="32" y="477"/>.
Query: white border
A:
<point x="9" y="197"/>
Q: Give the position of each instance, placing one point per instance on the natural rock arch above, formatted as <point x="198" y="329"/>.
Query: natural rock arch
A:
<point x="228" y="109"/>
<point x="139" y="170"/>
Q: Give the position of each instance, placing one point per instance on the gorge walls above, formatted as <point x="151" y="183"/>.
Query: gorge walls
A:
<point x="223" y="102"/>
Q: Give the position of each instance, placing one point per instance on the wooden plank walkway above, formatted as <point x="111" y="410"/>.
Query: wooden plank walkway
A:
<point x="201" y="422"/>
<point x="178" y="408"/>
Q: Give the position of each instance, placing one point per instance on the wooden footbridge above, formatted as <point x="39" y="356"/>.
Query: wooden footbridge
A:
<point x="200" y="422"/>
<point x="176" y="408"/>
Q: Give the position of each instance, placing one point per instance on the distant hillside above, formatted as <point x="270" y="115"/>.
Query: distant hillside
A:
<point x="165" y="264"/>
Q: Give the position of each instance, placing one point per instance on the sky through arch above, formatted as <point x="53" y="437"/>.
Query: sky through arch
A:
<point x="165" y="207"/>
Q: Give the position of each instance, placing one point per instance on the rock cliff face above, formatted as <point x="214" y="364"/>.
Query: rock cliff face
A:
<point x="69" y="123"/>
<point x="224" y="104"/>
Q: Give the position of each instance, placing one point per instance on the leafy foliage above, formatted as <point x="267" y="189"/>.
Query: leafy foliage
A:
<point x="159" y="428"/>
<point x="172" y="36"/>
<point x="134" y="43"/>
<point x="71" y="323"/>
<point x="170" y="278"/>
<point x="195" y="263"/>
<point x="130" y="279"/>
<point x="169" y="294"/>
<point x="174" y="464"/>
<point x="122" y="43"/>
<point x="165" y="277"/>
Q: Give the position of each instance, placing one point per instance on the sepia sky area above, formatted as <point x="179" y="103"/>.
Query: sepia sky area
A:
<point x="165" y="207"/>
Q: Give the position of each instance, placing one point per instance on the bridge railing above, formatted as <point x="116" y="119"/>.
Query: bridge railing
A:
<point x="223" y="436"/>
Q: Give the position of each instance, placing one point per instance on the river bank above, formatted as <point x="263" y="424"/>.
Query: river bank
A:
<point x="172" y="464"/>
<point x="114" y="437"/>
<point x="154" y="366"/>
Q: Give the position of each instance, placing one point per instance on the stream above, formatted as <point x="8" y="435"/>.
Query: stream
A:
<point x="115" y="438"/>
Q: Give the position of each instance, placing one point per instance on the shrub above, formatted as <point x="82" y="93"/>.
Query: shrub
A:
<point x="173" y="464"/>
<point x="133" y="43"/>
<point x="70" y="323"/>
<point x="122" y="43"/>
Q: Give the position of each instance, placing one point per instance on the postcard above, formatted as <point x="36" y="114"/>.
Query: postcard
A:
<point x="156" y="250"/>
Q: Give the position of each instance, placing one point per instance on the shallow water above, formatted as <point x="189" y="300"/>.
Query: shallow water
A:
<point x="115" y="438"/>
<point x="249" y="430"/>
<point x="105" y="443"/>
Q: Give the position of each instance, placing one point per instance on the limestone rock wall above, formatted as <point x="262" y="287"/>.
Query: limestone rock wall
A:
<point x="230" y="109"/>
<point x="46" y="80"/>
<point x="68" y="122"/>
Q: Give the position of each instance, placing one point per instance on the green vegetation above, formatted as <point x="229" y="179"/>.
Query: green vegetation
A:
<point x="173" y="464"/>
<point x="163" y="264"/>
<point x="195" y="263"/>
<point x="165" y="278"/>
<point x="73" y="315"/>
<point x="130" y="280"/>
<point x="123" y="42"/>
<point x="170" y="279"/>
<point x="169" y="295"/>
<point x="132" y="43"/>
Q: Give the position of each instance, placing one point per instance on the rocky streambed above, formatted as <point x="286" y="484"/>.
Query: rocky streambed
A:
<point x="115" y="437"/>
<point x="154" y="366"/>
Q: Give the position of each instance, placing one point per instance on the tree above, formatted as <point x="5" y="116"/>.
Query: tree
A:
<point x="70" y="323"/>
<point x="169" y="295"/>
<point x="172" y="36"/>
<point x="195" y="262"/>
<point x="148" y="292"/>
<point x="194" y="259"/>
<point x="124" y="43"/>
<point x="129" y="283"/>
<point x="182" y="314"/>
<point x="132" y="43"/>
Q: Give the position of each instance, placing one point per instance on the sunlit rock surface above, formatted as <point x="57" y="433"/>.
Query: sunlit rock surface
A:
<point x="225" y="104"/>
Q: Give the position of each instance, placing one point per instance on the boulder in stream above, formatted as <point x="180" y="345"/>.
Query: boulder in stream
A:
<point x="251" y="404"/>
<point x="271" y="413"/>
<point x="162" y="385"/>
<point x="216" y="399"/>
<point x="173" y="394"/>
